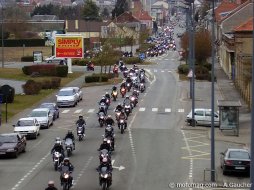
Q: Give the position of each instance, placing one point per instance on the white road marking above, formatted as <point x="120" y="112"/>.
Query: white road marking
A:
<point x="162" y="71"/>
<point x="142" y="109"/>
<point x="166" y="59"/>
<point x="155" y="71"/>
<point x="154" y="109"/>
<point x="29" y="173"/>
<point x="168" y="110"/>
<point x="91" y="110"/>
<point x="78" y="111"/>
<point x="180" y="110"/>
<point x="170" y="71"/>
<point x="65" y="111"/>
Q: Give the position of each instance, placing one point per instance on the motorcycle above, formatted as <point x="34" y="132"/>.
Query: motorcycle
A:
<point x="127" y="109"/>
<point x="123" y="92"/>
<point x="104" y="106"/>
<point x="121" y="125"/>
<point x="117" y="114"/>
<point x="57" y="159"/>
<point x="125" y="73"/>
<point x="66" y="178"/>
<point x="128" y="85"/>
<point x="142" y="87"/>
<point x="68" y="146"/>
<point x="104" y="154"/>
<point x="134" y="101"/>
<point x="108" y="102"/>
<point x="109" y="141"/>
<point x="80" y="132"/>
<point x="114" y="95"/>
<point x="101" y="119"/>
<point x="105" y="178"/>
<point x="90" y="67"/>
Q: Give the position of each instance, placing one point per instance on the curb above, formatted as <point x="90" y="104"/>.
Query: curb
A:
<point x="151" y="76"/>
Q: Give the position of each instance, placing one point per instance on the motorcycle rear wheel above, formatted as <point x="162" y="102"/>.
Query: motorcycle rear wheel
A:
<point x="104" y="186"/>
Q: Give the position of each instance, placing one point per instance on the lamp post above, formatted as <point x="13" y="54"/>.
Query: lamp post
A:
<point x="252" y="110"/>
<point x="212" y="99"/>
<point x="2" y="33"/>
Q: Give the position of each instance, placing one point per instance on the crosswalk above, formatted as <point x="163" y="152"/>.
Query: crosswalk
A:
<point x="141" y="109"/>
<point x="159" y="71"/>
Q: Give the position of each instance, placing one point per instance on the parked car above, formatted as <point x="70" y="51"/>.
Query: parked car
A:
<point x="235" y="160"/>
<point x="29" y="127"/>
<point x="11" y="144"/>
<point x="54" y="59"/>
<point x="202" y="116"/>
<point x="67" y="97"/>
<point x="54" y="110"/>
<point x="43" y="116"/>
<point x="79" y="92"/>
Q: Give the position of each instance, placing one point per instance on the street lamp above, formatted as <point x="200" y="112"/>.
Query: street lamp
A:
<point x="2" y="32"/>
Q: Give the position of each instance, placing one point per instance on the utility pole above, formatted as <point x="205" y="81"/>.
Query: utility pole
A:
<point x="212" y="100"/>
<point x="252" y="112"/>
<point x="2" y="33"/>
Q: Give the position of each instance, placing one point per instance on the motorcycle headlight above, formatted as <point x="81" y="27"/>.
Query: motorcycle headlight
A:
<point x="106" y="175"/>
<point x="66" y="176"/>
<point x="121" y="121"/>
<point x="108" y="141"/>
<point x="132" y="98"/>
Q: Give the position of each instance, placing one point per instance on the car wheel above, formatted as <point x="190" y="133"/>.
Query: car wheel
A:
<point x="47" y="126"/>
<point x="52" y="123"/>
<point x="35" y="136"/>
<point x="58" y="115"/>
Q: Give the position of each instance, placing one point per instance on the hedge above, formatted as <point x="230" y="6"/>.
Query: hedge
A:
<point x="46" y="70"/>
<point x="131" y="60"/>
<point x="26" y="42"/>
<point x="27" y="59"/>
<point x="54" y="83"/>
<point x="183" y="69"/>
<point x="31" y="87"/>
<point x="96" y="77"/>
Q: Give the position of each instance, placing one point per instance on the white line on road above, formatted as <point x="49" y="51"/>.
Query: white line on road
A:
<point x="142" y="109"/>
<point x="155" y="71"/>
<point x="78" y="111"/>
<point x="29" y="172"/>
<point x="162" y="71"/>
<point x="169" y="71"/>
<point x="168" y="110"/>
<point x="91" y="110"/>
<point x="65" y="111"/>
<point x="82" y="171"/>
<point x="154" y="109"/>
<point x="180" y="110"/>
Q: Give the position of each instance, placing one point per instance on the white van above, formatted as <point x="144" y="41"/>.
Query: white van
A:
<point x="202" y="116"/>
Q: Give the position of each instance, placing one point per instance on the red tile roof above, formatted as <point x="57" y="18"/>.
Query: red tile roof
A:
<point x="225" y="6"/>
<point x="142" y="15"/>
<point x="245" y="27"/>
<point x="125" y="17"/>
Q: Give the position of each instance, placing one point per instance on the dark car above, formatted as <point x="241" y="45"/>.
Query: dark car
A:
<point x="54" y="110"/>
<point x="235" y="160"/>
<point x="11" y="144"/>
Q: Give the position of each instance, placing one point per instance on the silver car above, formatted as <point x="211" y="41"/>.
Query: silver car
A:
<point x="43" y="116"/>
<point x="29" y="127"/>
<point x="67" y="97"/>
<point x="79" y="92"/>
<point x="54" y="59"/>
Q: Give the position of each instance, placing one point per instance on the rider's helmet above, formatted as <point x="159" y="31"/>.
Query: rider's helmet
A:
<point x="69" y="132"/>
<point x="104" y="160"/>
<point x="58" y="141"/>
<point x="80" y="117"/>
<point x="66" y="161"/>
<point x="127" y="96"/>
<point x="51" y="183"/>
<point x="109" y="116"/>
<point x="106" y="93"/>
<point x="119" y="104"/>
<point x="105" y="141"/>
<point x="122" y="112"/>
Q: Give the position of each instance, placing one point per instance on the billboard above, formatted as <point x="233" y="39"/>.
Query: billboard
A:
<point x="37" y="56"/>
<point x="229" y="118"/>
<point x="69" y="46"/>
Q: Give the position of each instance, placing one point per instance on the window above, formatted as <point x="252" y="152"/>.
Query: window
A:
<point x="199" y="113"/>
<point x="208" y="113"/>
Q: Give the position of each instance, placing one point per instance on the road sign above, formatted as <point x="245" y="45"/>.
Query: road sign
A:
<point x="142" y="56"/>
<point x="69" y="46"/>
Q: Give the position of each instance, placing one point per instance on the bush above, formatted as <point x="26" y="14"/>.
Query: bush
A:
<point x="201" y="70"/>
<point x="55" y="82"/>
<point x="31" y="87"/>
<point x="46" y="84"/>
<point x="96" y="78"/>
<point x="131" y="60"/>
<point x="27" y="58"/>
<point x="26" y="70"/>
<point x="208" y="66"/>
<point x="183" y="69"/>
<point x="61" y="71"/>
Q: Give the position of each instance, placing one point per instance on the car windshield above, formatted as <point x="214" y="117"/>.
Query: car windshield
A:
<point x="8" y="139"/>
<point x="39" y="114"/>
<point x="65" y="93"/>
<point x="239" y="155"/>
<point x="25" y="123"/>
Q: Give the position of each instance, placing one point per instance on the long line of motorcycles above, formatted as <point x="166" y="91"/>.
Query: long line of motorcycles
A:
<point x="133" y="84"/>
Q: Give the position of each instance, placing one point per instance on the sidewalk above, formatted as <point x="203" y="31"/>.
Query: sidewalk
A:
<point x="229" y="92"/>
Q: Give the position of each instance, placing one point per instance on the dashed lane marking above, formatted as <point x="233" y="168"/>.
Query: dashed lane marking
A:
<point x="91" y="110"/>
<point x="162" y="71"/>
<point x="65" y="111"/>
<point x="167" y="110"/>
<point x="154" y="109"/>
<point x="155" y="71"/>
<point x="180" y="110"/>
<point x="142" y="109"/>
<point x="78" y="111"/>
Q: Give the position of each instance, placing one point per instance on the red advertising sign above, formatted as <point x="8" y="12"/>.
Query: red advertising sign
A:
<point x="69" y="46"/>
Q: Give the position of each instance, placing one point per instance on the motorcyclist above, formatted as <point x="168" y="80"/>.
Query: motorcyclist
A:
<point x="128" y="80"/>
<point x="103" y="100"/>
<point x="114" y="88"/>
<point x="66" y="162"/>
<point x="102" y="110"/>
<point x="123" y="85"/>
<point x="119" y="107"/>
<point x="107" y="95"/>
<point x="51" y="186"/>
<point x="109" y="120"/>
<point x="106" y="163"/>
<point x="127" y="100"/>
<point x="104" y="145"/>
<point x="81" y="122"/>
<point x="58" y="147"/>
<point x="109" y="133"/>
<point x="135" y="93"/>
<point x="123" y="117"/>
<point x="70" y="136"/>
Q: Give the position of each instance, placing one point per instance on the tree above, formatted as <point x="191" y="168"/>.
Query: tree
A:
<point x="105" y="13"/>
<point x="90" y="10"/>
<point x="203" y="45"/>
<point x="120" y="7"/>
